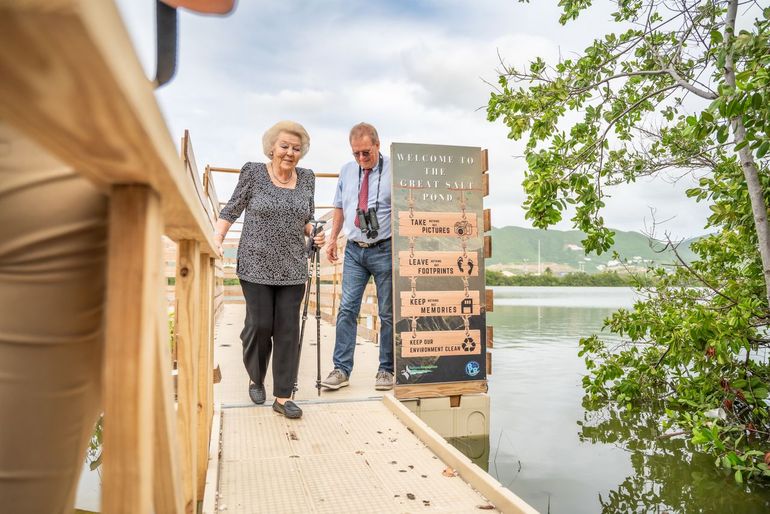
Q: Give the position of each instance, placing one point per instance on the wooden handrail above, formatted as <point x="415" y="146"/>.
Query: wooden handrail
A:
<point x="71" y="78"/>
<point x="238" y="170"/>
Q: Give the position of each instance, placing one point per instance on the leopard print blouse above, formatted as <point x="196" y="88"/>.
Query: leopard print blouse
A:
<point x="272" y="246"/>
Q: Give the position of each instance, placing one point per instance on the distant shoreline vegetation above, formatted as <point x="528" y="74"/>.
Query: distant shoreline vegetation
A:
<point x="576" y="279"/>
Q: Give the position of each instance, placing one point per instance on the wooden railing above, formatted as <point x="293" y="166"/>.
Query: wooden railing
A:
<point x="72" y="84"/>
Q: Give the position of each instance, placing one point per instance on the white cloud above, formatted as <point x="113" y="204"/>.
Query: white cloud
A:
<point x="414" y="69"/>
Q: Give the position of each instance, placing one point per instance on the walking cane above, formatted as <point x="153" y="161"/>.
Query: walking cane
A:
<point x="313" y="258"/>
<point x="318" y="318"/>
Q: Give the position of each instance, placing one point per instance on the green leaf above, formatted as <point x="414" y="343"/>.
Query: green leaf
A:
<point x="739" y="476"/>
<point x="763" y="148"/>
<point x="722" y="134"/>
<point x="96" y="463"/>
<point x="716" y="36"/>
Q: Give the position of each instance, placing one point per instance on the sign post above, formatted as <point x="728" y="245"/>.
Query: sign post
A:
<point x="439" y="316"/>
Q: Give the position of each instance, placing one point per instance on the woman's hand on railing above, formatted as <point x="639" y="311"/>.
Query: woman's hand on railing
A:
<point x="218" y="240"/>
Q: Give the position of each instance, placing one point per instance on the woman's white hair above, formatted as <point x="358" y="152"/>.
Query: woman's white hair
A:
<point x="292" y="127"/>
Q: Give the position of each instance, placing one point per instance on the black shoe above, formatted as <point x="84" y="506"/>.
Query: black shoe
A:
<point x="257" y="393"/>
<point x="288" y="409"/>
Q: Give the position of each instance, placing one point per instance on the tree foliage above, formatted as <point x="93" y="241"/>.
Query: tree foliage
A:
<point x="683" y="86"/>
<point x="574" y="279"/>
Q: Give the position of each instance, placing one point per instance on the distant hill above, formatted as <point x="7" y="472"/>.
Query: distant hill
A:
<point x="518" y="246"/>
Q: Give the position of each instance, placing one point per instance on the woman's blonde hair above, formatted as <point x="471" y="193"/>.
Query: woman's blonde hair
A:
<point x="292" y="127"/>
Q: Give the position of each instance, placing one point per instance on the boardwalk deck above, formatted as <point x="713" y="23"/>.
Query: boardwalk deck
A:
<point x="341" y="457"/>
<point x="349" y="452"/>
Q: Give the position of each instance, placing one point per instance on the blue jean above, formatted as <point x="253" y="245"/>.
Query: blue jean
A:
<point x="359" y="265"/>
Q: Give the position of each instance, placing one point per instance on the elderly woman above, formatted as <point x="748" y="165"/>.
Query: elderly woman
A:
<point x="272" y="264"/>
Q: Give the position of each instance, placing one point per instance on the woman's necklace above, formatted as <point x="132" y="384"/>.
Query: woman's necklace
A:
<point x="275" y="175"/>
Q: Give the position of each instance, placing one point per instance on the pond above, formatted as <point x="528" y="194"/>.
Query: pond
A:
<point x="561" y="458"/>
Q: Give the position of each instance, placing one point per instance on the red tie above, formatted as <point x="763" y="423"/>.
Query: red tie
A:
<point x="363" y="195"/>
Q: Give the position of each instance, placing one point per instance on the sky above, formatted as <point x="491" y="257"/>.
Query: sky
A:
<point x="419" y="70"/>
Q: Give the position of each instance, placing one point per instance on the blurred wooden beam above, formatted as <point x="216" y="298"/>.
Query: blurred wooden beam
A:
<point x="238" y="170"/>
<point x="72" y="82"/>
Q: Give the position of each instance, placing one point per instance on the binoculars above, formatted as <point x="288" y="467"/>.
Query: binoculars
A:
<point x="367" y="220"/>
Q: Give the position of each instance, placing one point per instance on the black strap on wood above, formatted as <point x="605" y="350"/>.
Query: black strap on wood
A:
<point x="166" y="31"/>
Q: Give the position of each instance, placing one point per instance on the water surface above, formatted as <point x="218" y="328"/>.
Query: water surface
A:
<point x="559" y="457"/>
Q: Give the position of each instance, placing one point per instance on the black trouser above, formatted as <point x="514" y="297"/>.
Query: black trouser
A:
<point x="272" y="324"/>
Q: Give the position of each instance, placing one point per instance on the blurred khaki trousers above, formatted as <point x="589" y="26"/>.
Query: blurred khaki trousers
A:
<point x="53" y="236"/>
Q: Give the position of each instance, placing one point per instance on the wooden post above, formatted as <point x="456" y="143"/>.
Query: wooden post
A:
<point x="212" y="326"/>
<point x="133" y="283"/>
<point x="188" y="338"/>
<point x="167" y="479"/>
<point x="487" y="247"/>
<point x="205" y="372"/>
<point x="336" y="279"/>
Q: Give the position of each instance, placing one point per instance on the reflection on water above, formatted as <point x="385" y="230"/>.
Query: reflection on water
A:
<point x="668" y="476"/>
<point x="559" y="457"/>
<point x="475" y="448"/>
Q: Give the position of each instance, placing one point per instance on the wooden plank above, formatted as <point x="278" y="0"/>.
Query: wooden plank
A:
<point x="133" y="287"/>
<point x="438" y="343"/>
<point x="484" y="160"/>
<point x="62" y="59"/>
<point x="490" y="336"/>
<point x="188" y="158"/>
<point x="487" y="247"/>
<point x="211" y="190"/>
<point x="369" y="309"/>
<point x="485" y="184"/>
<point x="440" y="389"/>
<point x="188" y="334"/>
<point x="213" y="286"/>
<point x="490" y="300"/>
<point x="238" y="170"/>
<point x="436" y="224"/>
<point x="433" y="264"/>
<point x="489" y="363"/>
<point x="205" y="370"/>
<point x="502" y="498"/>
<point x="167" y="478"/>
<point x="212" y="474"/>
<point x="367" y="333"/>
<point x="487" y="220"/>
<point x="337" y="282"/>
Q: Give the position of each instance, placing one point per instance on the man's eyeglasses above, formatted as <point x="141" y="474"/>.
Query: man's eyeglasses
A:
<point x="362" y="154"/>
